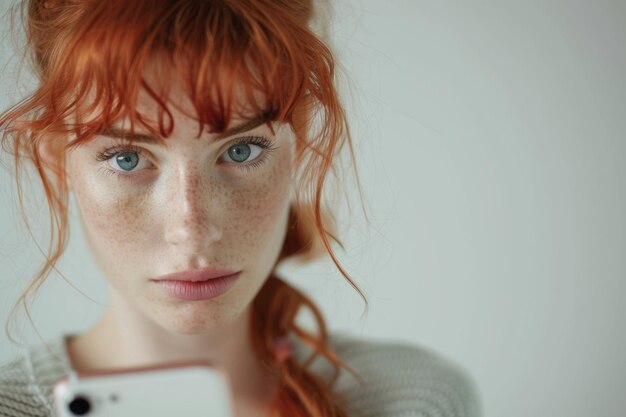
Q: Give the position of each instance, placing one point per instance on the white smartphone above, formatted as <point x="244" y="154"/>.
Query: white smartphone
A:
<point x="186" y="389"/>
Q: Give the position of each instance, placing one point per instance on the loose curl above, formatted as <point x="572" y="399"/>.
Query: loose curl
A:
<point x="92" y="59"/>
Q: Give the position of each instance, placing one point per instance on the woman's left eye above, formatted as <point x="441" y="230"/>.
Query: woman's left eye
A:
<point x="248" y="149"/>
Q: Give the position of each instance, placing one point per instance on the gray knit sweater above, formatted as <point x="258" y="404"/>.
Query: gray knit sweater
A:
<point x="401" y="380"/>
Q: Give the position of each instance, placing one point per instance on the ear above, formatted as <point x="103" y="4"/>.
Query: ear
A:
<point x="54" y="158"/>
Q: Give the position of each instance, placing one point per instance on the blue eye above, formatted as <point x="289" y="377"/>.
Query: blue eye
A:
<point x="127" y="160"/>
<point x="248" y="149"/>
<point x="241" y="152"/>
<point x="125" y="157"/>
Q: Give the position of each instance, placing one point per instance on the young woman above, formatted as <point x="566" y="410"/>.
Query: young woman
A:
<point x="196" y="137"/>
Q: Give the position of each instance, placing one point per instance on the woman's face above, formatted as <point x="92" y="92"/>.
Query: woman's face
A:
<point x="194" y="203"/>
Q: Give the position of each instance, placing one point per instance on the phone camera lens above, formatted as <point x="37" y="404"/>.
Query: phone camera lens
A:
<point x="79" y="406"/>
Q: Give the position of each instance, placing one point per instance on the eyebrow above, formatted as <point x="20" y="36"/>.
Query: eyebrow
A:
<point x="119" y="133"/>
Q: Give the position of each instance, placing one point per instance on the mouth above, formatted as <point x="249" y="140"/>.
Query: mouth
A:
<point x="188" y="290"/>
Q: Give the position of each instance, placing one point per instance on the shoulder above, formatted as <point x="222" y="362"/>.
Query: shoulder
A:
<point x="402" y="379"/>
<point x="27" y="380"/>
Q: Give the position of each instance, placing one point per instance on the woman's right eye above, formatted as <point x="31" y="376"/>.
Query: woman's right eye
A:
<point x="122" y="159"/>
<point x="127" y="160"/>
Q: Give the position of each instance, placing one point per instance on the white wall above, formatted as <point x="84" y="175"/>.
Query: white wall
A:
<point x="490" y="138"/>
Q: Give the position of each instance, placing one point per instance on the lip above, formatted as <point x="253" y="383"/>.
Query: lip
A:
<point x="193" y="288"/>
<point x="195" y="275"/>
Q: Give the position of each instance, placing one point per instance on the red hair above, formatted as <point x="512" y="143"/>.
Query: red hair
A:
<point x="93" y="58"/>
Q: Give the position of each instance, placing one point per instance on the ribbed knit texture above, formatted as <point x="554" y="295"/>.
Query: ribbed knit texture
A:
<point x="401" y="380"/>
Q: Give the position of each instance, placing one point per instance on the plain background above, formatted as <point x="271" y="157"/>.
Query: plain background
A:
<point x="490" y="142"/>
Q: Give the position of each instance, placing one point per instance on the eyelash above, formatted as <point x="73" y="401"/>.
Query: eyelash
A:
<point x="260" y="141"/>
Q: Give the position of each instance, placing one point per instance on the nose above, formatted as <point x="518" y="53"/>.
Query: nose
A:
<point x="190" y="210"/>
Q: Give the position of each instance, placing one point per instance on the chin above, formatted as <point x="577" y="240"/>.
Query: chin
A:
<point x="197" y="317"/>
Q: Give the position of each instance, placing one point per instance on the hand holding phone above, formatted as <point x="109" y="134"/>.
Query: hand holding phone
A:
<point x="186" y="389"/>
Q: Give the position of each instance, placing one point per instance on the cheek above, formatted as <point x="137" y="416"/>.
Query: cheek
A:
<point x="114" y="225"/>
<point x="258" y="209"/>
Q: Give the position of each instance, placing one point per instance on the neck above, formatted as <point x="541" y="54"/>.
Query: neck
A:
<point x="125" y="338"/>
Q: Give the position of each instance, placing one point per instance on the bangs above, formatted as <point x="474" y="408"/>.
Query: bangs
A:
<point x="228" y="59"/>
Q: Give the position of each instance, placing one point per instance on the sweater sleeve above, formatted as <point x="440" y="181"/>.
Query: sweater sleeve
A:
<point x="19" y="395"/>
<point x="403" y="380"/>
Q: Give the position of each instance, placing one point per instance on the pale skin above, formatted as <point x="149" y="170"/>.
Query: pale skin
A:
<point x="188" y="205"/>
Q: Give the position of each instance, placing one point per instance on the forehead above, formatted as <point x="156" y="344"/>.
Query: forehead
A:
<point x="237" y="127"/>
<point x="235" y="103"/>
<point x="170" y="110"/>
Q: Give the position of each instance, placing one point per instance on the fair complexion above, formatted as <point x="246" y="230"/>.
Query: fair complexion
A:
<point x="186" y="204"/>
